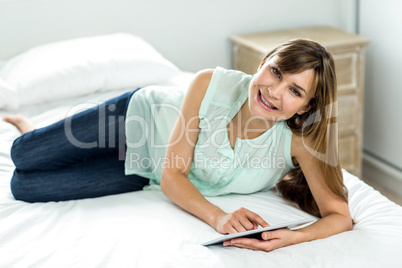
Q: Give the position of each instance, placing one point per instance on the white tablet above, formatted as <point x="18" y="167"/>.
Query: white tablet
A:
<point x="256" y="233"/>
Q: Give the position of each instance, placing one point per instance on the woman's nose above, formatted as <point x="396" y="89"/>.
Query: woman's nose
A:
<point x="275" y="92"/>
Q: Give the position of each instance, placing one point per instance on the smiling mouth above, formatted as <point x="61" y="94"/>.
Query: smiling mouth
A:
<point x="265" y="102"/>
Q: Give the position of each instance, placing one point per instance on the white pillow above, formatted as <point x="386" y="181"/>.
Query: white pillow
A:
<point x="8" y="96"/>
<point x="81" y="66"/>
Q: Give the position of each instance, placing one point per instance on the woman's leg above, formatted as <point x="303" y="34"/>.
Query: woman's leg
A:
<point x="93" y="178"/>
<point x="95" y="132"/>
<point x="79" y="157"/>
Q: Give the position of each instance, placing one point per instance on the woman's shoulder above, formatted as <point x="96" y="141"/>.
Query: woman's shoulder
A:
<point x="203" y="76"/>
<point x="213" y="84"/>
<point x="218" y="87"/>
<point x="196" y="91"/>
<point x="200" y="83"/>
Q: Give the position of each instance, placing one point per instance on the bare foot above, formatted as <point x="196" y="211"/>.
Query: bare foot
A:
<point x="21" y="122"/>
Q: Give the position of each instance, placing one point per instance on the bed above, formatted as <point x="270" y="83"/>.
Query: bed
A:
<point x="145" y="229"/>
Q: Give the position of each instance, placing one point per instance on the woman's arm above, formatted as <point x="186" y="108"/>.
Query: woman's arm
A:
<point x="333" y="209"/>
<point x="175" y="183"/>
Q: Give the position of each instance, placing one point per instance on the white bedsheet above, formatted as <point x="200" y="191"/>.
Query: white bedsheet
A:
<point x="144" y="229"/>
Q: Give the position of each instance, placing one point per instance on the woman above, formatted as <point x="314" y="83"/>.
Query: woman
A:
<point x="228" y="121"/>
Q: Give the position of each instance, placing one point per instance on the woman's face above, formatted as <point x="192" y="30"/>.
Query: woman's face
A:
<point x="278" y="96"/>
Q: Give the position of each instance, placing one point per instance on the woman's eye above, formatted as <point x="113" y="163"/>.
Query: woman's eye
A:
<point x="276" y="72"/>
<point x="295" y="92"/>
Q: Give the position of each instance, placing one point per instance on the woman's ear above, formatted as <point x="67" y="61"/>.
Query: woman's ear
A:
<point x="305" y="109"/>
<point x="312" y="103"/>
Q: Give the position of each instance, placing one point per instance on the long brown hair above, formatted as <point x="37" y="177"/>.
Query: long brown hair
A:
<point x="318" y="124"/>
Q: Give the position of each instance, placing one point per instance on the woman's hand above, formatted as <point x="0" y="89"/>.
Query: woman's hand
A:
<point x="239" y="221"/>
<point x="271" y="240"/>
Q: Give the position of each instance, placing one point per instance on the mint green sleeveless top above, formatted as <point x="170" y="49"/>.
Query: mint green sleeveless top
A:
<point x="217" y="169"/>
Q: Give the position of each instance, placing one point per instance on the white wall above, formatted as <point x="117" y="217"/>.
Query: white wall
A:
<point x="381" y="22"/>
<point x="192" y="34"/>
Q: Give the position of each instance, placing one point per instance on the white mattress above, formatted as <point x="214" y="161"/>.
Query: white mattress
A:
<point x="145" y="229"/>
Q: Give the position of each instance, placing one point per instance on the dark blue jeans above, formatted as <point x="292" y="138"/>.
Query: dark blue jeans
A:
<point x="79" y="157"/>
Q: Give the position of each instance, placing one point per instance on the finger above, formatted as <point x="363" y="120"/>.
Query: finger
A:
<point x="238" y="243"/>
<point x="229" y="229"/>
<point x="226" y="244"/>
<point x="253" y="244"/>
<point x="238" y="226"/>
<point x="271" y="235"/>
<point x="239" y="220"/>
<point x="247" y="223"/>
<point x="255" y="218"/>
<point x="255" y="226"/>
<point x="233" y="226"/>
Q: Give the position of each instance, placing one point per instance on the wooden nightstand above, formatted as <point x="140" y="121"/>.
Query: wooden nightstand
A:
<point x="348" y="52"/>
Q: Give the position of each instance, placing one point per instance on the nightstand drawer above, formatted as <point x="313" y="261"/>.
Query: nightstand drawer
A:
<point x="346" y="72"/>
